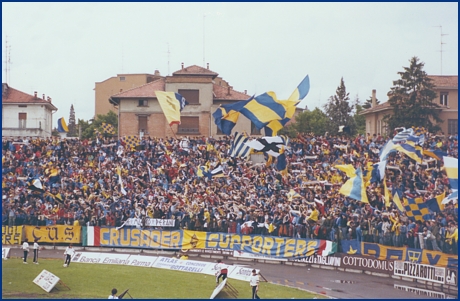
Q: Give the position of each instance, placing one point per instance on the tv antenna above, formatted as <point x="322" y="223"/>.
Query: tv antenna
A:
<point x="7" y="60"/>
<point x="442" y="34"/>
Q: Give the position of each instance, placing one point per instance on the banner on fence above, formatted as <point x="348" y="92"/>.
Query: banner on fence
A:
<point x="142" y="261"/>
<point x="354" y="247"/>
<point x="5" y="253"/>
<point x="241" y="254"/>
<point x="452" y="277"/>
<point x="366" y="263"/>
<point x="11" y="235"/>
<point x="150" y="222"/>
<point x="181" y="265"/>
<point x="420" y="291"/>
<point x="53" y="234"/>
<point x="278" y="247"/>
<point x="321" y="260"/>
<point x="419" y="271"/>
<point x="210" y="251"/>
<point x="102" y="258"/>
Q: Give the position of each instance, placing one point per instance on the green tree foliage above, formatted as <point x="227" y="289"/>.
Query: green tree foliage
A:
<point x="307" y="122"/>
<point x="360" y="120"/>
<point x="338" y="110"/>
<point x="412" y="99"/>
<point x="311" y="121"/>
<point x="88" y="128"/>
<point x="72" y="123"/>
<point x="368" y="103"/>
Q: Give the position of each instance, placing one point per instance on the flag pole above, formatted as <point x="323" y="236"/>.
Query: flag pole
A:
<point x="173" y="131"/>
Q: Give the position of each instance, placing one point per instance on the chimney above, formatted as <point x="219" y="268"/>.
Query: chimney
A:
<point x="245" y="91"/>
<point x="48" y="99"/>
<point x="157" y="73"/>
<point x="182" y="66"/>
<point x="43" y="96"/>
<point x="228" y="90"/>
<point x="207" y="66"/>
<point x="374" y="99"/>
<point x="35" y="94"/>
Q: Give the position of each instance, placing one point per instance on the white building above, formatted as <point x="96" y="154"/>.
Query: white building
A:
<point x="25" y="115"/>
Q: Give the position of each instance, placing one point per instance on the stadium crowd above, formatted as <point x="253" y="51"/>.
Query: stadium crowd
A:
<point x="162" y="180"/>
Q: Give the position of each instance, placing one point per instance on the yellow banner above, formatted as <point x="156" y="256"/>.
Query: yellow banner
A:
<point x="11" y="235"/>
<point x="407" y="254"/>
<point x="54" y="234"/>
<point x="280" y="247"/>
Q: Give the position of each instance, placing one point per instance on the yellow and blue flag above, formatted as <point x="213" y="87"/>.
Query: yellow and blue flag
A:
<point x="172" y="104"/>
<point x="435" y="204"/>
<point x="451" y="167"/>
<point x="226" y="116"/>
<point x="108" y="128"/>
<point x="397" y="196"/>
<point x="355" y="187"/>
<point x="417" y="210"/>
<point x="131" y="141"/>
<point x="272" y="128"/>
<point x="293" y="194"/>
<point x="434" y="153"/>
<point x="351" y="247"/>
<point x="281" y="162"/>
<point x="62" y="126"/>
<point x="412" y="151"/>
<point x="238" y="148"/>
<point x="264" y="110"/>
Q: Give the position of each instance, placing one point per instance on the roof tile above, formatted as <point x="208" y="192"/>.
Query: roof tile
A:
<point x="195" y="70"/>
<point x="11" y="95"/>
<point x="146" y="90"/>
<point x="444" y="80"/>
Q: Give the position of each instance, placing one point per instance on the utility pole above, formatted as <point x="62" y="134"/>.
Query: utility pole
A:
<point x="204" y="16"/>
<point x="442" y="34"/>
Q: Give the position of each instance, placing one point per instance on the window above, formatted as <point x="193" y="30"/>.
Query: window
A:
<point x="22" y="106"/>
<point x="443" y="98"/>
<point x="143" y="103"/>
<point x="142" y="122"/>
<point x="452" y="126"/>
<point x="191" y="96"/>
<point x="122" y="78"/>
<point x="189" y="125"/>
<point x="254" y="129"/>
<point x="22" y="120"/>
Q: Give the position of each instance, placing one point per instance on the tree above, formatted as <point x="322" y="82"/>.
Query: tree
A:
<point x="88" y="128"/>
<point x="72" y="124"/>
<point x="368" y="103"/>
<point x="338" y="111"/>
<point x="311" y="121"/>
<point x="412" y="99"/>
<point x="360" y="120"/>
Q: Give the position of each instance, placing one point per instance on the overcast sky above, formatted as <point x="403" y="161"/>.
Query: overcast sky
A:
<point x="62" y="49"/>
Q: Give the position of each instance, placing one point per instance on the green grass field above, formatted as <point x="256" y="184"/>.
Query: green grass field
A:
<point x="88" y="281"/>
